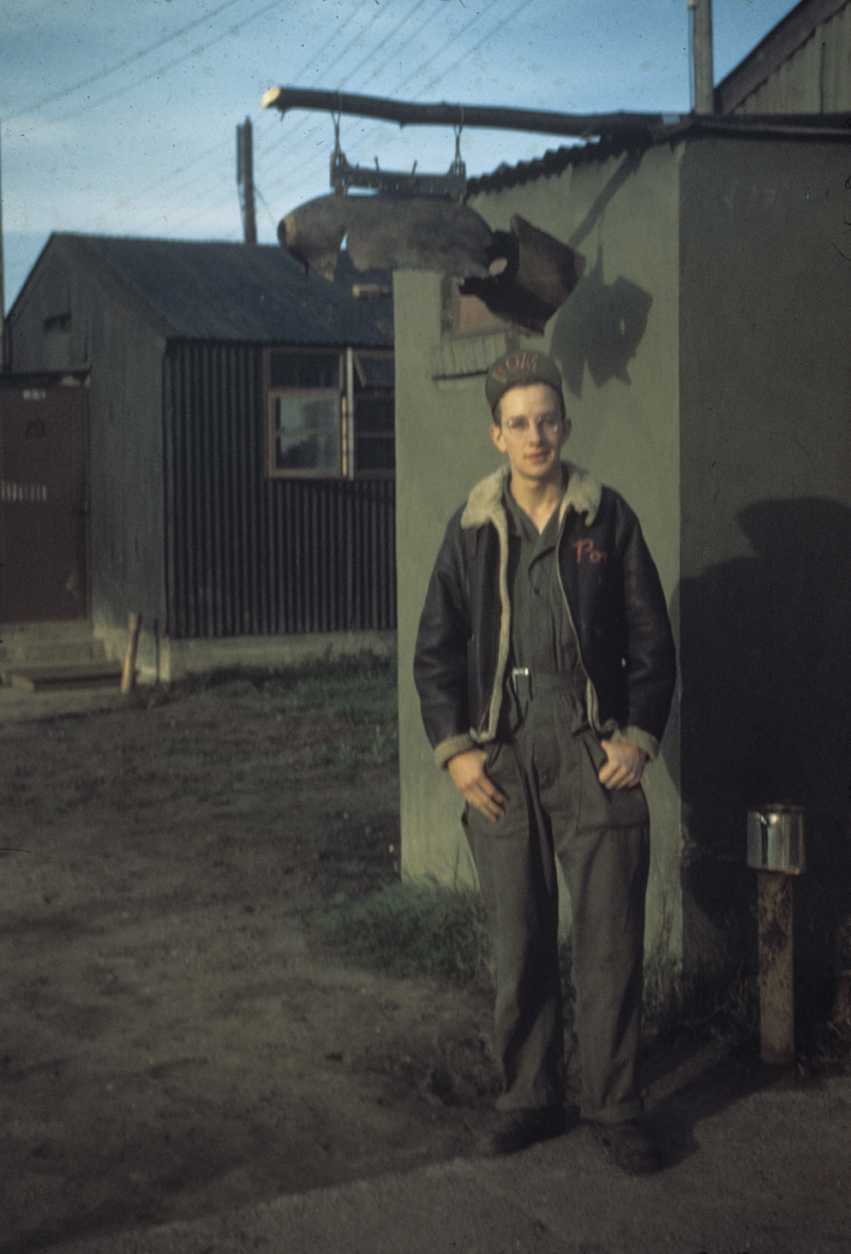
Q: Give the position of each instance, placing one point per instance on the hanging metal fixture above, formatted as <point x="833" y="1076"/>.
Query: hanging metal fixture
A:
<point x="397" y="182"/>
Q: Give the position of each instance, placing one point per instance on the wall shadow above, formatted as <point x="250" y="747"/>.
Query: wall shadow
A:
<point x="600" y="327"/>
<point x="766" y="718"/>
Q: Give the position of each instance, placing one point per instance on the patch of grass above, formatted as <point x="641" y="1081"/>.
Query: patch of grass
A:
<point x="356" y="691"/>
<point x="338" y="761"/>
<point x="343" y="759"/>
<point x="408" y="928"/>
<point x="351" y="704"/>
<point x="413" y="927"/>
<point x="360" y="689"/>
<point x="384" y="747"/>
<point x="723" y="1005"/>
<point x="720" y="1005"/>
<point x="824" y="1052"/>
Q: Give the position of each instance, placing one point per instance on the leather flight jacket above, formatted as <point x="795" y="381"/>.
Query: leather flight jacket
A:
<point x="615" y="601"/>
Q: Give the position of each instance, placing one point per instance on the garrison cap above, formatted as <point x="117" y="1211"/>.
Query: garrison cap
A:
<point x="518" y="369"/>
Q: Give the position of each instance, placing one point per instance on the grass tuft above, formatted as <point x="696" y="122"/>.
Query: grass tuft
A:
<point x="407" y="928"/>
<point x="718" y="1005"/>
<point x="362" y="691"/>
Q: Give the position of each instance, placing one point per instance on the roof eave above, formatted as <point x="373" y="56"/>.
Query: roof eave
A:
<point x="689" y="126"/>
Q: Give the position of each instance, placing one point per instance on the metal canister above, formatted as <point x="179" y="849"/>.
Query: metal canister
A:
<point x="776" y="838"/>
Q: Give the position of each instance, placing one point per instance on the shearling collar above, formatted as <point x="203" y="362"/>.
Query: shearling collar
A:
<point x="484" y="503"/>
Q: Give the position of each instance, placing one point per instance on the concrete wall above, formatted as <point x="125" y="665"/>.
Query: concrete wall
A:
<point x="165" y="660"/>
<point x="442" y="448"/>
<point x="765" y="598"/>
<point x="616" y="340"/>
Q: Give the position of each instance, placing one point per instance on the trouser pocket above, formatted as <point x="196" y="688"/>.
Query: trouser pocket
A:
<point x="606" y="807"/>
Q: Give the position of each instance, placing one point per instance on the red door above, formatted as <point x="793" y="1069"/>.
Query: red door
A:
<point x="43" y="504"/>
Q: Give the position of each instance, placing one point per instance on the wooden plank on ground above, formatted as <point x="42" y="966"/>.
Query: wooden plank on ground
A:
<point x="80" y="675"/>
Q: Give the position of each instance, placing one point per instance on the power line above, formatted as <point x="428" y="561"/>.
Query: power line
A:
<point x="64" y="92"/>
<point x="209" y="152"/>
<point x="193" y="195"/>
<point x="292" y="154"/>
<point x="472" y="51"/>
<point x="342" y="53"/>
<point x="291" y="166"/>
<point x="170" y="65"/>
<point x="453" y="37"/>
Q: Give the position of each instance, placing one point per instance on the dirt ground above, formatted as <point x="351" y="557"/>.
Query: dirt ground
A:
<point x="174" y="1042"/>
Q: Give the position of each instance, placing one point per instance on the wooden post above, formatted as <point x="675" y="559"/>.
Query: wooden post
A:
<point x="776" y="978"/>
<point x="245" y="181"/>
<point x="704" y="87"/>
<point x="128" y="677"/>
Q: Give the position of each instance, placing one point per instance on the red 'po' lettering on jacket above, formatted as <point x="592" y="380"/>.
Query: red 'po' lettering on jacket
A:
<point x="585" y="548"/>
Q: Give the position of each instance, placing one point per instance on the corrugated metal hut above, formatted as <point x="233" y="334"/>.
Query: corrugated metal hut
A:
<point x="239" y="461"/>
<point x="803" y="65"/>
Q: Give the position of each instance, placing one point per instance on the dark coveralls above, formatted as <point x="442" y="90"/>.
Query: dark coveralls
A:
<point x="545" y="759"/>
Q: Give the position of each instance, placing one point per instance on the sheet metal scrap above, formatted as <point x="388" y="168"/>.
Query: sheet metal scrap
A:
<point x="538" y="275"/>
<point x="524" y="275"/>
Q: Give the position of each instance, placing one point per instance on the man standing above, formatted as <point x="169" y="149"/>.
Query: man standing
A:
<point x="545" y="668"/>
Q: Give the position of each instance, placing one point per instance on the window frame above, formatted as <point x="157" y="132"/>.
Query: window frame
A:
<point x="362" y="387"/>
<point x="353" y="383"/>
<point x="273" y="393"/>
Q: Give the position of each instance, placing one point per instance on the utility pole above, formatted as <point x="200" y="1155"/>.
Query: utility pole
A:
<point x="701" y="44"/>
<point x="245" y="181"/>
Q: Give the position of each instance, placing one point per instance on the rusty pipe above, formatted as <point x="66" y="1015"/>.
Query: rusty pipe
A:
<point x="776" y="850"/>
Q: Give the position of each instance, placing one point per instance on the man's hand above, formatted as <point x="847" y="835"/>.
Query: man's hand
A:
<point x="625" y="765"/>
<point x="468" y="774"/>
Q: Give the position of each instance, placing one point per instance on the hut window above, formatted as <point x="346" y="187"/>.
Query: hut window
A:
<point x="330" y="414"/>
<point x="57" y="324"/>
<point x="57" y="341"/>
<point x="374" y="417"/>
<point x="304" y="413"/>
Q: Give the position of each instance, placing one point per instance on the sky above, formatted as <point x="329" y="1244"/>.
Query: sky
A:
<point x="120" y="118"/>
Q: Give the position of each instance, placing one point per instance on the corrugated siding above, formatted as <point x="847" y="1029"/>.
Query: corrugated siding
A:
<point x="246" y="555"/>
<point x="816" y="78"/>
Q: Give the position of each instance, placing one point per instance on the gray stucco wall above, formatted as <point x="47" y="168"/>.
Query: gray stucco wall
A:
<point x="442" y="448"/>
<point x="616" y="340"/>
<point x="765" y="598"/>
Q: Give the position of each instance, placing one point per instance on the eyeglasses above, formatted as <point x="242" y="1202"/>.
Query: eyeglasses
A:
<point x="549" y="423"/>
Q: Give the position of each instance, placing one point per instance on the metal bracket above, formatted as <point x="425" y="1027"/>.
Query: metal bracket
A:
<point x="452" y="185"/>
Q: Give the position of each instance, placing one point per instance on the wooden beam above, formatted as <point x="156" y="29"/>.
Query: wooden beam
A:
<point x="579" y="125"/>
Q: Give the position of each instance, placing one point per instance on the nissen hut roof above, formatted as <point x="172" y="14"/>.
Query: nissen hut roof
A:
<point x="229" y="292"/>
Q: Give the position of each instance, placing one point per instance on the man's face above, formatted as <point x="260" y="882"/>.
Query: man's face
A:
<point x="530" y="431"/>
